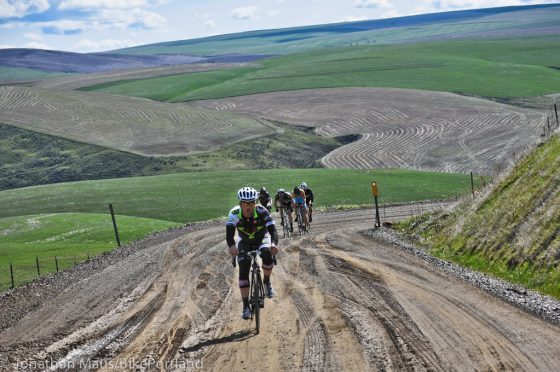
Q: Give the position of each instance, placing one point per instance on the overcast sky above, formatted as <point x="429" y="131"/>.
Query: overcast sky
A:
<point x="101" y="25"/>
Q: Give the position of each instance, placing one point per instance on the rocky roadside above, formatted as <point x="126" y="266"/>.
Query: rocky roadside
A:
<point x="545" y="307"/>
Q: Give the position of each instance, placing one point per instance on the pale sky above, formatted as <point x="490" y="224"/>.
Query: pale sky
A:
<point x="101" y="25"/>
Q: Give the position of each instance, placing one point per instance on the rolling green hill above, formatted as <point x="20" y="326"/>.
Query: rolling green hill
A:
<point x="466" y="24"/>
<point x="512" y="232"/>
<point x="519" y="67"/>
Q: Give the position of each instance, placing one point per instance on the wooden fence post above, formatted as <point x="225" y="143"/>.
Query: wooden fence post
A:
<point x="38" y="271"/>
<point x="12" y="274"/>
<point x="115" y="224"/>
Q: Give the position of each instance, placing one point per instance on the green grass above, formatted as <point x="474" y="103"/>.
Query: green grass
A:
<point x="514" y="232"/>
<point x="205" y="195"/>
<point x="70" y="237"/>
<point x="497" y="68"/>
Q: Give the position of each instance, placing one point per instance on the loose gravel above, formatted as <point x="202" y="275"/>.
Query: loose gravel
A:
<point x="545" y="307"/>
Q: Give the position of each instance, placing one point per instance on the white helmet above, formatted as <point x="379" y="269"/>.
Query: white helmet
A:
<point x="280" y="191"/>
<point x="303" y="186"/>
<point x="247" y="194"/>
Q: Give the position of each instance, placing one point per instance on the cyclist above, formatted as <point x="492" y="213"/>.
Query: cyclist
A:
<point x="256" y="230"/>
<point x="264" y="199"/>
<point x="299" y="202"/>
<point x="308" y="199"/>
<point x="284" y="200"/>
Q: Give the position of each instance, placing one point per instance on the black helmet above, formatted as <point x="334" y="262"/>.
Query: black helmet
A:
<point x="263" y="189"/>
<point x="296" y="190"/>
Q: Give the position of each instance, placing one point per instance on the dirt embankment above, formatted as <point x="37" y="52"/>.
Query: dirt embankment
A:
<point x="345" y="300"/>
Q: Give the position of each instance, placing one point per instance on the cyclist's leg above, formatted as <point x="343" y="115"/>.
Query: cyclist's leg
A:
<point x="282" y="216"/>
<point x="289" y="211"/>
<point x="244" y="262"/>
<point x="266" y="257"/>
<point x="305" y="214"/>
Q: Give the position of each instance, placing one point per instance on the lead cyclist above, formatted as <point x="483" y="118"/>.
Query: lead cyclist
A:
<point x="256" y="231"/>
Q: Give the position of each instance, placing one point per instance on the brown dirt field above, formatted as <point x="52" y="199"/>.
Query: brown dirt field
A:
<point x="402" y="128"/>
<point x="345" y="301"/>
<point x="130" y="124"/>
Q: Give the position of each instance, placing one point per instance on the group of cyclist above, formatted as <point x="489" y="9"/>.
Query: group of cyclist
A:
<point x="257" y="231"/>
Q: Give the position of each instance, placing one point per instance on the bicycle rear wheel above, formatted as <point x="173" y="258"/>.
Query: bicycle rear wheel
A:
<point x="301" y="222"/>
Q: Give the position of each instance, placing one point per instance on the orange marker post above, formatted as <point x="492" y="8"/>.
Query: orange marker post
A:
<point x="375" y="193"/>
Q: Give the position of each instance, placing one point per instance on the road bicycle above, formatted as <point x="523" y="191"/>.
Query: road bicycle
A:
<point x="302" y="226"/>
<point x="285" y="222"/>
<point x="256" y="292"/>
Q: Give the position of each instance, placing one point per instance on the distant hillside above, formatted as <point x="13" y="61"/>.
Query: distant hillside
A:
<point x="50" y="61"/>
<point x="479" y="23"/>
<point x="513" y="231"/>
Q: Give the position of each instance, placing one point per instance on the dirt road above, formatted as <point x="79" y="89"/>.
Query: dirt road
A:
<point x="345" y="301"/>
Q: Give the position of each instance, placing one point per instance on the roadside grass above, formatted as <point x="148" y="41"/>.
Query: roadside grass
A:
<point x="72" y="220"/>
<point x="70" y="237"/>
<point x="495" y="68"/>
<point x="513" y="232"/>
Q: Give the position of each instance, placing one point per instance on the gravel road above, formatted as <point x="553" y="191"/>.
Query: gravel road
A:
<point x="348" y="297"/>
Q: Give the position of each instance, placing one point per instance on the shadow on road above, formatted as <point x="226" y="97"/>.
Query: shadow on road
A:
<point x="234" y="337"/>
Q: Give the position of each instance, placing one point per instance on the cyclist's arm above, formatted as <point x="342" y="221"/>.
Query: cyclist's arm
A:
<point x="231" y="225"/>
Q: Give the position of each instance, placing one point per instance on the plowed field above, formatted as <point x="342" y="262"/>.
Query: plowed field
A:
<point x="415" y="129"/>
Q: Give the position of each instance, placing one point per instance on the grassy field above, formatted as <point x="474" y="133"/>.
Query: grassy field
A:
<point x="498" y="68"/>
<point x="70" y="237"/>
<point x="72" y="220"/>
<point x="512" y="233"/>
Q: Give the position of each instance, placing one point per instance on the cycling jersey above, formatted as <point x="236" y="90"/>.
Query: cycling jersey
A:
<point x="264" y="198"/>
<point x="251" y="230"/>
<point x="308" y="196"/>
<point x="283" y="200"/>
<point x="299" y="197"/>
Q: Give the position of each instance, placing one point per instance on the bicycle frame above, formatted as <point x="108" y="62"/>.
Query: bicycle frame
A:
<point x="256" y="289"/>
<point x="301" y="219"/>
<point x="285" y="221"/>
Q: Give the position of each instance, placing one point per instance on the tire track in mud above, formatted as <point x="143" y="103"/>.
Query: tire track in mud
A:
<point x="374" y="315"/>
<point x="316" y="354"/>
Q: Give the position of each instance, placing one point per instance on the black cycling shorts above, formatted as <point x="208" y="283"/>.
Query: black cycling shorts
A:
<point x="244" y="260"/>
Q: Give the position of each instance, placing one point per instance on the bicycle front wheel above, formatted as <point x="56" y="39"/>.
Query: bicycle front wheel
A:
<point x="257" y="284"/>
